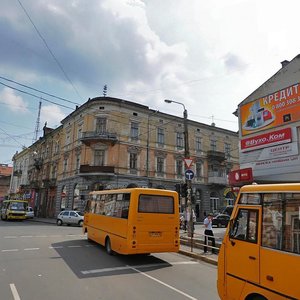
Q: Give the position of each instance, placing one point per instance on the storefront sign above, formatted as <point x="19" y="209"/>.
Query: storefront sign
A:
<point x="271" y="111"/>
<point x="268" y="139"/>
<point x="241" y="176"/>
<point x="279" y="151"/>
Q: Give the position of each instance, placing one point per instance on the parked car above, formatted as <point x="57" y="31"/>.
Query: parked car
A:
<point x="221" y="220"/>
<point x="70" y="217"/>
<point x="29" y="213"/>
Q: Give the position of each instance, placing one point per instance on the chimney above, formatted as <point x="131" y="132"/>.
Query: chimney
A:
<point x="284" y="63"/>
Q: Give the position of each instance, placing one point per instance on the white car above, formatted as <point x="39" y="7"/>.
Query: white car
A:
<point x="70" y="217"/>
<point x="29" y="213"/>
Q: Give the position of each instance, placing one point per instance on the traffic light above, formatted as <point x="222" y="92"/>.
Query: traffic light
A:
<point x="178" y="188"/>
<point x="184" y="190"/>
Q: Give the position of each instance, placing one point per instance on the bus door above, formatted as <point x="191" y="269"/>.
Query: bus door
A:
<point x="242" y="250"/>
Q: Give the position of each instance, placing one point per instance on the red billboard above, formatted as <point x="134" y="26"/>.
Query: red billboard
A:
<point x="266" y="140"/>
<point x="240" y="177"/>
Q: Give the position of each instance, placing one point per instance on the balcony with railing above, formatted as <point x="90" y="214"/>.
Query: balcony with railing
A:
<point x="217" y="178"/>
<point x="88" y="170"/>
<point x="216" y="155"/>
<point x="90" y="137"/>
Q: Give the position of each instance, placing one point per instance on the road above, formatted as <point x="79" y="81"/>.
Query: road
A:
<point x="43" y="261"/>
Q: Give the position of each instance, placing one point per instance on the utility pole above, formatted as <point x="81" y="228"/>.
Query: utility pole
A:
<point x="188" y="202"/>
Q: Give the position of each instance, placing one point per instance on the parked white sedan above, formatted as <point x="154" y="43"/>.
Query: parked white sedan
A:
<point x="29" y="213"/>
<point x="70" y="217"/>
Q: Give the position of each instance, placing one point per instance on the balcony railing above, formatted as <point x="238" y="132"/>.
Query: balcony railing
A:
<point x="87" y="169"/>
<point x="217" y="178"/>
<point x="216" y="155"/>
<point x="89" y="137"/>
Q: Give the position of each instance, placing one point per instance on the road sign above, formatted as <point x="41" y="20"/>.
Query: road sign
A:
<point x="189" y="174"/>
<point x="188" y="162"/>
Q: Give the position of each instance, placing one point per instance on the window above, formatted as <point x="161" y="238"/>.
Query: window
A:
<point x="101" y="125"/>
<point x="160" y="165"/>
<point x="251" y="198"/>
<point x="77" y="162"/>
<point x="160" y="136"/>
<point x="68" y="139"/>
<point x="179" y="167"/>
<point x="156" y="204"/>
<point x="54" y="171"/>
<point x="281" y="222"/>
<point x="65" y="166"/>
<point x="134" y="130"/>
<point x="245" y="226"/>
<point x="213" y="144"/>
<point x="99" y="157"/>
<point x="198" y="170"/>
<point x="114" y="205"/>
<point x="76" y="198"/>
<point x="227" y="150"/>
<point x="180" y="140"/>
<point x="133" y="161"/>
<point x="198" y="143"/>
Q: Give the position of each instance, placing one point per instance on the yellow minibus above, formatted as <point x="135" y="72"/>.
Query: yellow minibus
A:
<point x="14" y="209"/>
<point x="259" y="257"/>
<point x="133" y="220"/>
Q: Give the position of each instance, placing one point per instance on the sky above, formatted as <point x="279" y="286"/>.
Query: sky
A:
<point x="208" y="55"/>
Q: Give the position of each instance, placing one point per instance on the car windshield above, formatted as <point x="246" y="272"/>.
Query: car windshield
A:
<point x="17" y="206"/>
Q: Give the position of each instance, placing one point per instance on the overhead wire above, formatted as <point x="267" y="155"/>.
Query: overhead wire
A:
<point x="49" y="50"/>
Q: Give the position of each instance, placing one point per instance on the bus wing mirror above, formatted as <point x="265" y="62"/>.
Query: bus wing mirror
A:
<point x="231" y="234"/>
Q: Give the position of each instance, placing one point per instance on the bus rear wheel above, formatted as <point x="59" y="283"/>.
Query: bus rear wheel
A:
<point x="108" y="246"/>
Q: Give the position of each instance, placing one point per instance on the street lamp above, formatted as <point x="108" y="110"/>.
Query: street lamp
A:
<point x="187" y="155"/>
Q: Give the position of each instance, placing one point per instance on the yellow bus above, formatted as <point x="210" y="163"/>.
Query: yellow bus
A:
<point x="133" y="220"/>
<point x="259" y="257"/>
<point x="14" y="209"/>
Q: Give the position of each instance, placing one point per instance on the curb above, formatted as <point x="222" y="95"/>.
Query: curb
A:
<point x="199" y="257"/>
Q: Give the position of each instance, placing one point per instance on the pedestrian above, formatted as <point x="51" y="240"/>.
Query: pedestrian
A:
<point x="208" y="233"/>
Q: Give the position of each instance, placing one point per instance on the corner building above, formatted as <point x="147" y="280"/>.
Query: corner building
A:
<point x="112" y="143"/>
<point x="269" y="129"/>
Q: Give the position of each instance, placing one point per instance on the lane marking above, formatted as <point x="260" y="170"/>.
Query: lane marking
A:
<point x="55" y="247"/>
<point x="165" y="284"/>
<point x="10" y="237"/>
<point x="26" y="236"/>
<point x="10" y="250"/>
<point x="95" y="271"/>
<point x="14" y="292"/>
<point x="30" y="249"/>
<point x="74" y="246"/>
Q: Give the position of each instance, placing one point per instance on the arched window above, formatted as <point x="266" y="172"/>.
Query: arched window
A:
<point x="76" y="197"/>
<point x="63" y="198"/>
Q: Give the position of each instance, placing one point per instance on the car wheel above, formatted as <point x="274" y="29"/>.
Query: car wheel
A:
<point x="108" y="246"/>
<point x="80" y="223"/>
<point x="59" y="222"/>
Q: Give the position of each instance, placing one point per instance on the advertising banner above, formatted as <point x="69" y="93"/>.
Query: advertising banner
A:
<point x="266" y="140"/>
<point x="271" y="111"/>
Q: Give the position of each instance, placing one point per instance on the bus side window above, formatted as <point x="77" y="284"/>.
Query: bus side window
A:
<point x="245" y="226"/>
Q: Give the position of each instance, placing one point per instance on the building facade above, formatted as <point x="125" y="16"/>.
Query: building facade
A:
<point x="269" y="127"/>
<point x="113" y="143"/>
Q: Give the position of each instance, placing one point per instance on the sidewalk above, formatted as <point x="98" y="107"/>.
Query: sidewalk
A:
<point x="195" y="252"/>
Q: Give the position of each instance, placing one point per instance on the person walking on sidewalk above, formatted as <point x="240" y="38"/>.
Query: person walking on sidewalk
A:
<point x="208" y="233"/>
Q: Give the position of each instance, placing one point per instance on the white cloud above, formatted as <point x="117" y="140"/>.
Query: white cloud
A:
<point x="51" y="114"/>
<point x="13" y="102"/>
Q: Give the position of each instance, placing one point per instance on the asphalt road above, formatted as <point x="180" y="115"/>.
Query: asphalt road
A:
<point x="43" y="261"/>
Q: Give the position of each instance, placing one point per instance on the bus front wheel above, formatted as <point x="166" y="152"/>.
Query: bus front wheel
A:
<point x="108" y="246"/>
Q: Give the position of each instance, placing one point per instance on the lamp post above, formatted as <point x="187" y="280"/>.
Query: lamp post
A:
<point x="188" y="203"/>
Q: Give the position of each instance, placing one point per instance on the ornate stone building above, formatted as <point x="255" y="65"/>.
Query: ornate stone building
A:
<point x="111" y="143"/>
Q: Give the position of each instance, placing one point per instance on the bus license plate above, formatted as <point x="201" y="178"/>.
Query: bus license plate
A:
<point x="155" y="233"/>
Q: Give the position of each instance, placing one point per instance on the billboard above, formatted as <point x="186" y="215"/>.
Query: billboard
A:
<point x="273" y="110"/>
<point x="260" y="141"/>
